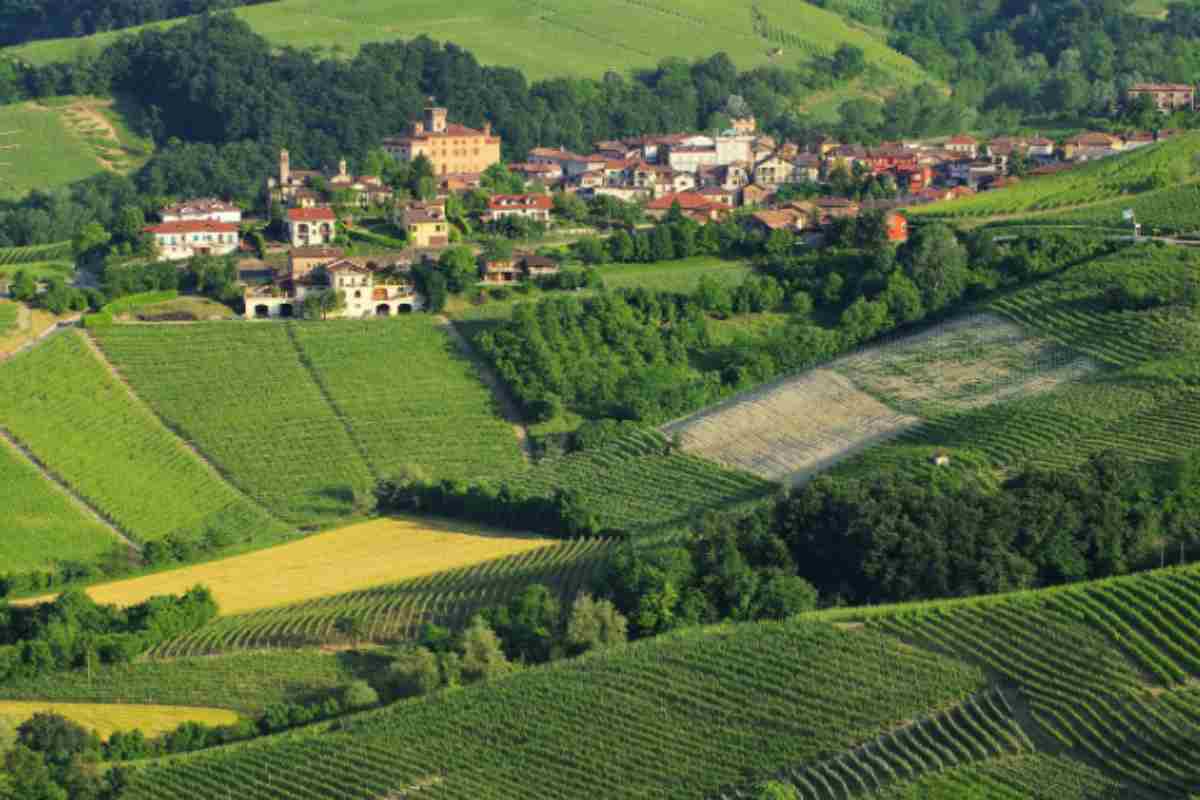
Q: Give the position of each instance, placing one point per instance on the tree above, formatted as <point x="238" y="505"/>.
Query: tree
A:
<point x="482" y="655"/>
<point x="590" y="250"/>
<point x="458" y="266"/>
<point x="90" y="243"/>
<point x="58" y="739"/>
<point x="594" y="624"/>
<point x="352" y="629"/>
<point x="775" y="790"/>
<point x="359" y="694"/>
<point x="849" y="62"/>
<point x="529" y="625"/>
<point x="937" y="263"/>
<point x="319" y="305"/>
<point x="28" y="777"/>
<point x="499" y="180"/>
<point x="414" y="672"/>
<point x="781" y="596"/>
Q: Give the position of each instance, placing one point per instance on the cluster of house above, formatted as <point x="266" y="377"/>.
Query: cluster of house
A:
<point x="374" y="286"/>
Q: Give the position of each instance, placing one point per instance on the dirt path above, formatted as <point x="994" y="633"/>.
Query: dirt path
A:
<point x="138" y="402"/>
<point x="25" y="326"/>
<point x="80" y="114"/>
<point x="508" y="405"/>
<point x="64" y="488"/>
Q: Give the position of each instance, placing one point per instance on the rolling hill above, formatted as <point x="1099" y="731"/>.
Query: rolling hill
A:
<point x="617" y="35"/>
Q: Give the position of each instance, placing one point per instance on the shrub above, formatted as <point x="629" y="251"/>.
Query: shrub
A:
<point x="483" y="657"/>
<point x="594" y="624"/>
<point x="359" y="694"/>
<point x="414" y="672"/>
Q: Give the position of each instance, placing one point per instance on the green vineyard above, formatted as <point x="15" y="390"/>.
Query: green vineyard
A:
<point x="674" y="717"/>
<point x="62" y="403"/>
<point x="640" y="484"/>
<point x="1025" y="777"/>
<point x="1173" y="210"/>
<point x="397" y="612"/>
<point x="15" y="256"/>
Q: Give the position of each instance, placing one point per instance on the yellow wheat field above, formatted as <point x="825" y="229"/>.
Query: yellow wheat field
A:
<point x="104" y="718"/>
<point x="355" y="557"/>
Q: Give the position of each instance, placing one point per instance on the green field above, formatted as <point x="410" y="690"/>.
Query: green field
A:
<point x="1030" y="776"/>
<point x="639" y="484"/>
<point x="41" y="526"/>
<point x="674" y="276"/>
<point x="396" y="613"/>
<point x="1145" y="169"/>
<point x="674" y="717"/>
<point x="243" y="682"/>
<point x="1173" y="210"/>
<point x="65" y="406"/>
<point x="38" y="150"/>
<point x="618" y="35"/>
<point x="1141" y="400"/>
<point x="8" y="316"/>
<point x="409" y="397"/>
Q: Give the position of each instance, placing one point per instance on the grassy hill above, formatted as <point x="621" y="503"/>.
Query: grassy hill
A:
<point x="617" y="35"/>
<point x="1124" y="176"/>
<point x="54" y="142"/>
<point x="1084" y="691"/>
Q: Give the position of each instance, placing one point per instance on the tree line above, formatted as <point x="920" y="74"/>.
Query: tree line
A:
<point x="29" y="20"/>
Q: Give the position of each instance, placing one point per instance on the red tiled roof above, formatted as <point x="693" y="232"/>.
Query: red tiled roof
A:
<point x="317" y="252"/>
<point x="452" y="129"/>
<point x="1161" y="87"/>
<point x="311" y="215"/>
<point x="962" y="140"/>
<point x="538" y="201"/>
<point x="686" y="200"/>
<point x="203" y="206"/>
<point x="193" y="226"/>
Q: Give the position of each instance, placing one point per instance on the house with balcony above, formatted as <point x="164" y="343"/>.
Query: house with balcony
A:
<point x="307" y="227"/>
<point x="184" y="239"/>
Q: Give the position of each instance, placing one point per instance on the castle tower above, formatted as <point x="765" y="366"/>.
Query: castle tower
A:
<point x="342" y="168"/>
<point x="285" y="168"/>
<point x="435" y="120"/>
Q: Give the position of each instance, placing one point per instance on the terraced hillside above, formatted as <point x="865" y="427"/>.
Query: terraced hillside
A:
<point x="1085" y="691"/>
<point x="1142" y="401"/>
<point x="1146" y="169"/>
<point x="79" y="422"/>
<point x="305" y="418"/>
<point x="1173" y="210"/>
<point x="618" y="35"/>
<point x="674" y="717"/>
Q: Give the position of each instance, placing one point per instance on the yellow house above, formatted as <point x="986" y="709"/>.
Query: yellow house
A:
<point x="451" y="148"/>
<point x="425" y="224"/>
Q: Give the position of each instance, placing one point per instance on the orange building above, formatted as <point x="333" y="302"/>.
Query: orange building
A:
<point x="450" y="147"/>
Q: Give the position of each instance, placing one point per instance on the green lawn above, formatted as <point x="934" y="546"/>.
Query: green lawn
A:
<point x="63" y="404"/>
<point x="8" y="316"/>
<point x="40" y="151"/>
<point x="38" y="524"/>
<point x="674" y="276"/>
<point x="551" y="38"/>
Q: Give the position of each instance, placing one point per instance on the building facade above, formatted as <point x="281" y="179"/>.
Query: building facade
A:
<point x="1167" y="97"/>
<point x="179" y="240"/>
<point x="378" y="286"/>
<point x="307" y="227"/>
<point x="202" y="209"/>
<point x="451" y="148"/>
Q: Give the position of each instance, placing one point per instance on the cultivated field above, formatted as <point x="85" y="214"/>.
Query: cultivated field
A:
<point x="618" y="35"/>
<point x="410" y="397"/>
<point x="674" y="717"/>
<point x="1145" y="169"/>
<point x="40" y="525"/>
<point x="396" y="612"/>
<point x="969" y="362"/>
<point x="105" y="718"/>
<point x="8" y="317"/>
<point x="640" y="484"/>
<point x="1173" y="210"/>
<point x="40" y="151"/>
<point x="357" y="557"/>
<point x="243" y="682"/>
<point x="63" y="404"/>
<point x="241" y="395"/>
<point x="674" y="276"/>
<point x="790" y="429"/>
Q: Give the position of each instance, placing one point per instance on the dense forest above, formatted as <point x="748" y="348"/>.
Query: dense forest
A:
<point x="26" y="20"/>
<point x="895" y="538"/>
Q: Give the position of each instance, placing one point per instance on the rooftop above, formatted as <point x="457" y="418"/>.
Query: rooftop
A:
<point x="193" y="226"/>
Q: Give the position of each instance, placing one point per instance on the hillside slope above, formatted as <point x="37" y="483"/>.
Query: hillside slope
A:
<point x="598" y="35"/>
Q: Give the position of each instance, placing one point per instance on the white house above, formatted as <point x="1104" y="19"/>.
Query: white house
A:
<point x="202" y="209"/>
<point x="311" y="226"/>
<point x="376" y="286"/>
<point x="180" y="240"/>
<point x="532" y="206"/>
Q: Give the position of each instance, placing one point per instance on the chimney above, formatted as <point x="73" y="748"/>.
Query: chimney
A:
<point x="418" y="128"/>
<point x="487" y="129"/>
<point x="285" y="167"/>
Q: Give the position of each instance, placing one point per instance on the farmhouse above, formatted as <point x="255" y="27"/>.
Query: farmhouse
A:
<point x="522" y="266"/>
<point x="784" y="219"/>
<point x="1088" y="146"/>
<point x="1167" y="97"/>
<point x="203" y="209"/>
<point x="531" y="206"/>
<point x="179" y="240"/>
<point x="963" y="145"/>
<point x="451" y="148"/>
<point x="690" y="202"/>
<point x="375" y="286"/>
<point x="425" y="224"/>
<point x="311" y="226"/>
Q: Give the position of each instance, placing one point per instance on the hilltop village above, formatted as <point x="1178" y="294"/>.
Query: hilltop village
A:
<point x="766" y="186"/>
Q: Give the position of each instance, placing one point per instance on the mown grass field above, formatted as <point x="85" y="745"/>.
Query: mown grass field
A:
<point x="243" y="682"/>
<point x="674" y="276"/>
<point x="38" y="150"/>
<point x="40" y="525"/>
<point x="1143" y="170"/>
<point x="1141" y="400"/>
<point x="104" y="718"/>
<point x="62" y="403"/>
<point x="673" y="717"/>
<point x="617" y="35"/>
<point x="357" y="557"/>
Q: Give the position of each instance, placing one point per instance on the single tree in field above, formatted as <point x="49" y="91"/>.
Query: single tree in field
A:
<point x="353" y="629"/>
<point x="595" y="624"/>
